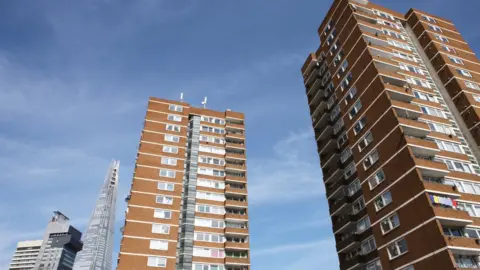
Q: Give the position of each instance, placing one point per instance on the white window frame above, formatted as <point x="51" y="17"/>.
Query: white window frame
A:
<point x="160" y="228"/>
<point x="372" y="158"/>
<point x="169" y="161"/>
<point x="158" y="244"/>
<point x="171" y="138"/>
<point x="396" y="246"/>
<point x="167" y="173"/>
<point x="154" y="261"/>
<point x="429" y="19"/>
<point x="435" y="28"/>
<point x="166" y="186"/>
<point x="472" y="85"/>
<point x="211" y="183"/>
<point x="450" y="146"/>
<point x="163" y="214"/>
<point x="456" y="60"/>
<point x="442" y="38"/>
<point x="355" y="109"/>
<point x="174" y="117"/>
<point x="464" y="72"/>
<point x="376" y="179"/>
<point x="163" y="199"/>
<point x="390" y="221"/>
<point x="383" y="199"/>
<point x="362" y="122"/>
<point x="365" y="140"/>
<point x="175" y="108"/>
<point x="171" y="127"/>
<point x="170" y="149"/>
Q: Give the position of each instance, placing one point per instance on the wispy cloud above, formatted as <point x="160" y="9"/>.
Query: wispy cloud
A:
<point x="291" y="173"/>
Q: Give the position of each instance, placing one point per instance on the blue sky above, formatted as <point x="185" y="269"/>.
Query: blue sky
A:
<point x="75" y="77"/>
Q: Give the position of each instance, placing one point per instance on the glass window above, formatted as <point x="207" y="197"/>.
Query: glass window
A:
<point x="159" y="213"/>
<point x="472" y="85"/>
<point x="442" y="38"/>
<point x="429" y="19"/>
<point x="167" y="173"/>
<point x="345" y="155"/>
<point x="455" y="60"/>
<point x="370" y="159"/>
<point x="356" y="108"/>
<point x="157" y="261"/>
<point x="173" y="128"/>
<point x="164" y="199"/>
<point x="363" y="224"/>
<point x="376" y="179"/>
<point x="176" y="108"/>
<point x="342" y="139"/>
<point x="389" y="223"/>
<point x="365" y="141"/>
<point x="350" y="94"/>
<point x="368" y="246"/>
<point x="169" y="161"/>
<point x="359" y="125"/>
<point x="383" y="200"/>
<point x="159" y="244"/>
<point x="166" y="186"/>
<point x="435" y="28"/>
<point x="397" y="248"/>
<point x="160" y="228"/>
<point x="338" y="125"/>
<point x="448" y="49"/>
<point x="464" y="72"/>
<point x="171" y="138"/>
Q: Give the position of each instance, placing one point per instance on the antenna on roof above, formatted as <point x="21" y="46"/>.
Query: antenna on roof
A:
<point x="181" y="97"/>
<point x="204" y="102"/>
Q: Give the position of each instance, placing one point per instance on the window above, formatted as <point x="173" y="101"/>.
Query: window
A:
<point x="208" y="252"/>
<point x="454" y="165"/>
<point x="383" y="200"/>
<point x="358" y="205"/>
<point x="429" y="19"/>
<point x="472" y="85"/>
<point x="338" y="125"/>
<point x="476" y="97"/>
<point x="171" y="138"/>
<point x="160" y="228"/>
<point x="442" y="38"/>
<point x="210" y="196"/>
<point x="368" y="246"/>
<point x="365" y="141"/>
<point x="354" y="187"/>
<point x="448" y="49"/>
<point x="411" y="68"/>
<point x="164" y="199"/>
<point x="343" y="68"/>
<point x="169" y="161"/>
<point x="209" y="149"/>
<point x="350" y="94"/>
<point x="376" y="265"/>
<point x="342" y="139"/>
<point x="455" y="60"/>
<point x="175" y="108"/>
<point x="350" y="170"/>
<point x="425" y="96"/>
<point x="359" y="125"/>
<point x="331" y="101"/>
<point x="210" y="171"/>
<point x="405" y="56"/>
<point x="433" y="111"/>
<point x="173" y="117"/>
<point x="394" y="34"/>
<point x="457" y="232"/>
<point x="173" y="128"/>
<point x="467" y="187"/>
<point x="212" y="209"/>
<point x="211" y="139"/>
<point x="165" y="214"/>
<point x="376" y="179"/>
<point x="167" y="173"/>
<point x="449" y="146"/>
<point x="441" y="128"/>
<point x="370" y="159"/>
<point x="326" y="77"/>
<point x="397" y="248"/>
<point x="356" y="108"/>
<point x="418" y="82"/>
<point x="212" y="120"/>
<point x="209" y="237"/>
<point x="159" y="244"/>
<point x="328" y="27"/>
<point x="346" y="82"/>
<point x="207" y="267"/>
<point x="384" y="15"/>
<point x="211" y="160"/>
<point x="212" y="129"/>
<point x="464" y="73"/>
<point x="166" y="186"/>
<point x="345" y="155"/>
<point x="157" y="262"/>
<point x="210" y="183"/>
<point x="435" y="28"/>
<point x="212" y="223"/>
<point x="170" y="149"/>
<point x="363" y="224"/>
<point x="389" y="223"/>
<point x="393" y="25"/>
<point x="400" y="45"/>
<point x="466" y="261"/>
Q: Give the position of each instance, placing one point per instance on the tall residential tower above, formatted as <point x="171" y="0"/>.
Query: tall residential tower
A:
<point x="98" y="237"/>
<point x="394" y="104"/>
<point x="187" y="207"/>
<point x="25" y="255"/>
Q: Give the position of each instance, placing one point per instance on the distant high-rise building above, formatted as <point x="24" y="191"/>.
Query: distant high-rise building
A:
<point x="60" y="245"/>
<point x="394" y="101"/>
<point x="25" y="255"/>
<point x="187" y="208"/>
<point x="98" y="237"/>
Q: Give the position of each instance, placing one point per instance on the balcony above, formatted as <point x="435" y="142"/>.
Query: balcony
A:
<point x="328" y="147"/>
<point x="235" y="166"/>
<point x="431" y="168"/>
<point x="236" y="203"/>
<point x="337" y="189"/>
<point x="414" y="128"/>
<point x="422" y="147"/>
<point x="235" y="134"/>
<point x="406" y="110"/>
<point x="235" y="177"/>
<point x="234" y="155"/>
<point x="438" y="188"/>
<point x="229" y="145"/>
<point x="237" y="261"/>
<point x="320" y="122"/>
<point x="331" y="157"/>
<point x="235" y="245"/>
<point x="234" y="126"/>
<point x="236" y="231"/>
<point x="324" y="133"/>
<point x="404" y="94"/>
<point x="341" y="222"/>
<point x="231" y="216"/>
<point x="360" y="259"/>
<point x="353" y="240"/>
<point x="463" y="243"/>
<point x="452" y="217"/>
<point x="233" y="190"/>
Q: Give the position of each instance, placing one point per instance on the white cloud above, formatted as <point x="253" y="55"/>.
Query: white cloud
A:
<point x="292" y="173"/>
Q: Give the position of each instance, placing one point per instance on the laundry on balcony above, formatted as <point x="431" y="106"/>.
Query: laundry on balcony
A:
<point x="444" y="201"/>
